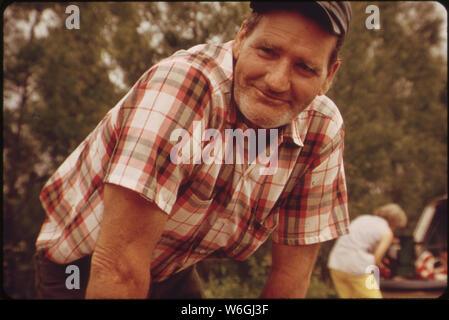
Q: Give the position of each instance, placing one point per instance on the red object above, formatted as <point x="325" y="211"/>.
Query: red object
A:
<point x="385" y="272"/>
<point x="426" y="266"/>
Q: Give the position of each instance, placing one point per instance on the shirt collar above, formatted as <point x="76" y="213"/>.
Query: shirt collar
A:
<point x="291" y="132"/>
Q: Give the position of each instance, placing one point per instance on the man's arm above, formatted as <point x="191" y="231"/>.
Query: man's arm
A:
<point x="130" y="229"/>
<point x="291" y="270"/>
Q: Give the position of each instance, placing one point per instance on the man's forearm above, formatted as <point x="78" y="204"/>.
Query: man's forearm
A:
<point x="291" y="271"/>
<point x="113" y="286"/>
<point x="110" y="284"/>
<point x="130" y="230"/>
<point x="281" y="285"/>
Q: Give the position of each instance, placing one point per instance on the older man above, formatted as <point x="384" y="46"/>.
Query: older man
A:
<point x="136" y="210"/>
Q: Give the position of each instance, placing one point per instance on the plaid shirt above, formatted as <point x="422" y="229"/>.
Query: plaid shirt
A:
<point x="214" y="209"/>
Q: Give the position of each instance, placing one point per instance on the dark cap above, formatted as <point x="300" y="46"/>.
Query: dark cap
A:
<point x="338" y="13"/>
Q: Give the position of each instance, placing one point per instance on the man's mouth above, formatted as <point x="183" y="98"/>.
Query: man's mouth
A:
<point x="270" y="98"/>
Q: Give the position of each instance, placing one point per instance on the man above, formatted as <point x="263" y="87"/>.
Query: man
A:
<point x="134" y="209"/>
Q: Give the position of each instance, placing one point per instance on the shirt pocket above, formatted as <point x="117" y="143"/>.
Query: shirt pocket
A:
<point x="188" y="212"/>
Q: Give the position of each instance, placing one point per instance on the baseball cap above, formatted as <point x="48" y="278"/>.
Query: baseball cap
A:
<point x="338" y="13"/>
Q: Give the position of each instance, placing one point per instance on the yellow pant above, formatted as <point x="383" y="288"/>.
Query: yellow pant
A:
<point x="350" y="286"/>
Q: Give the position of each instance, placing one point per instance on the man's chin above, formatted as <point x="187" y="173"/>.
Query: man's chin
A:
<point x="264" y="123"/>
<point x="260" y="120"/>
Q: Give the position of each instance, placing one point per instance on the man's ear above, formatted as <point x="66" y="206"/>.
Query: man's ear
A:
<point x="330" y="76"/>
<point x="238" y="41"/>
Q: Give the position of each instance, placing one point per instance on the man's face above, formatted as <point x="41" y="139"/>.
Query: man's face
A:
<point x="280" y="68"/>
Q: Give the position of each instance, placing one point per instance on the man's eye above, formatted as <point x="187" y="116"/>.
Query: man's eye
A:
<point x="305" y="67"/>
<point x="267" y="51"/>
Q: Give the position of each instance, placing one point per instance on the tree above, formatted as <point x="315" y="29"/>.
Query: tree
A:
<point x="21" y="59"/>
<point x="59" y="103"/>
<point x="391" y="91"/>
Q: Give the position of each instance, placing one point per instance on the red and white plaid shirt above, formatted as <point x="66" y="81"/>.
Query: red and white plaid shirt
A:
<point x="214" y="209"/>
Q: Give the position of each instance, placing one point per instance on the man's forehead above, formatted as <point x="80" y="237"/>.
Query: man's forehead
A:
<point x="278" y="26"/>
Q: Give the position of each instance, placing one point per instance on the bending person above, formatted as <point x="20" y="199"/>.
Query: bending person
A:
<point x="353" y="255"/>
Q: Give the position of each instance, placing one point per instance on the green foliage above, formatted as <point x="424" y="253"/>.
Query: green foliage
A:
<point x="391" y="90"/>
<point x="237" y="279"/>
<point x="71" y="97"/>
<point x="320" y="289"/>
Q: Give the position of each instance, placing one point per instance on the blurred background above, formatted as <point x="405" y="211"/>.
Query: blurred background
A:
<point x="58" y="83"/>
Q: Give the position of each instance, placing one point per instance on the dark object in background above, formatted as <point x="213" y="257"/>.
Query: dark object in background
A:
<point x="406" y="256"/>
<point x="429" y="238"/>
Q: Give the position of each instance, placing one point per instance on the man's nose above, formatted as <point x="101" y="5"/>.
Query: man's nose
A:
<point x="277" y="77"/>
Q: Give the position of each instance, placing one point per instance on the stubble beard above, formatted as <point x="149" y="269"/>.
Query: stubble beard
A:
<point x="260" y="119"/>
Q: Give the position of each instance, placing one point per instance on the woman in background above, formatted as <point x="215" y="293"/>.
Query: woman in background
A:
<point x="355" y="255"/>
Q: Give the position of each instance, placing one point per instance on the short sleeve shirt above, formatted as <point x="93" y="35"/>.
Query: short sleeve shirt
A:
<point x="176" y="139"/>
<point x="353" y="253"/>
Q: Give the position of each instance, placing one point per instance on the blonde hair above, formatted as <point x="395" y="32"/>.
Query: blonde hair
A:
<point x="393" y="213"/>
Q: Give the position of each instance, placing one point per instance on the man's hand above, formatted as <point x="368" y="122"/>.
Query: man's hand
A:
<point x="130" y="229"/>
<point x="291" y="270"/>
